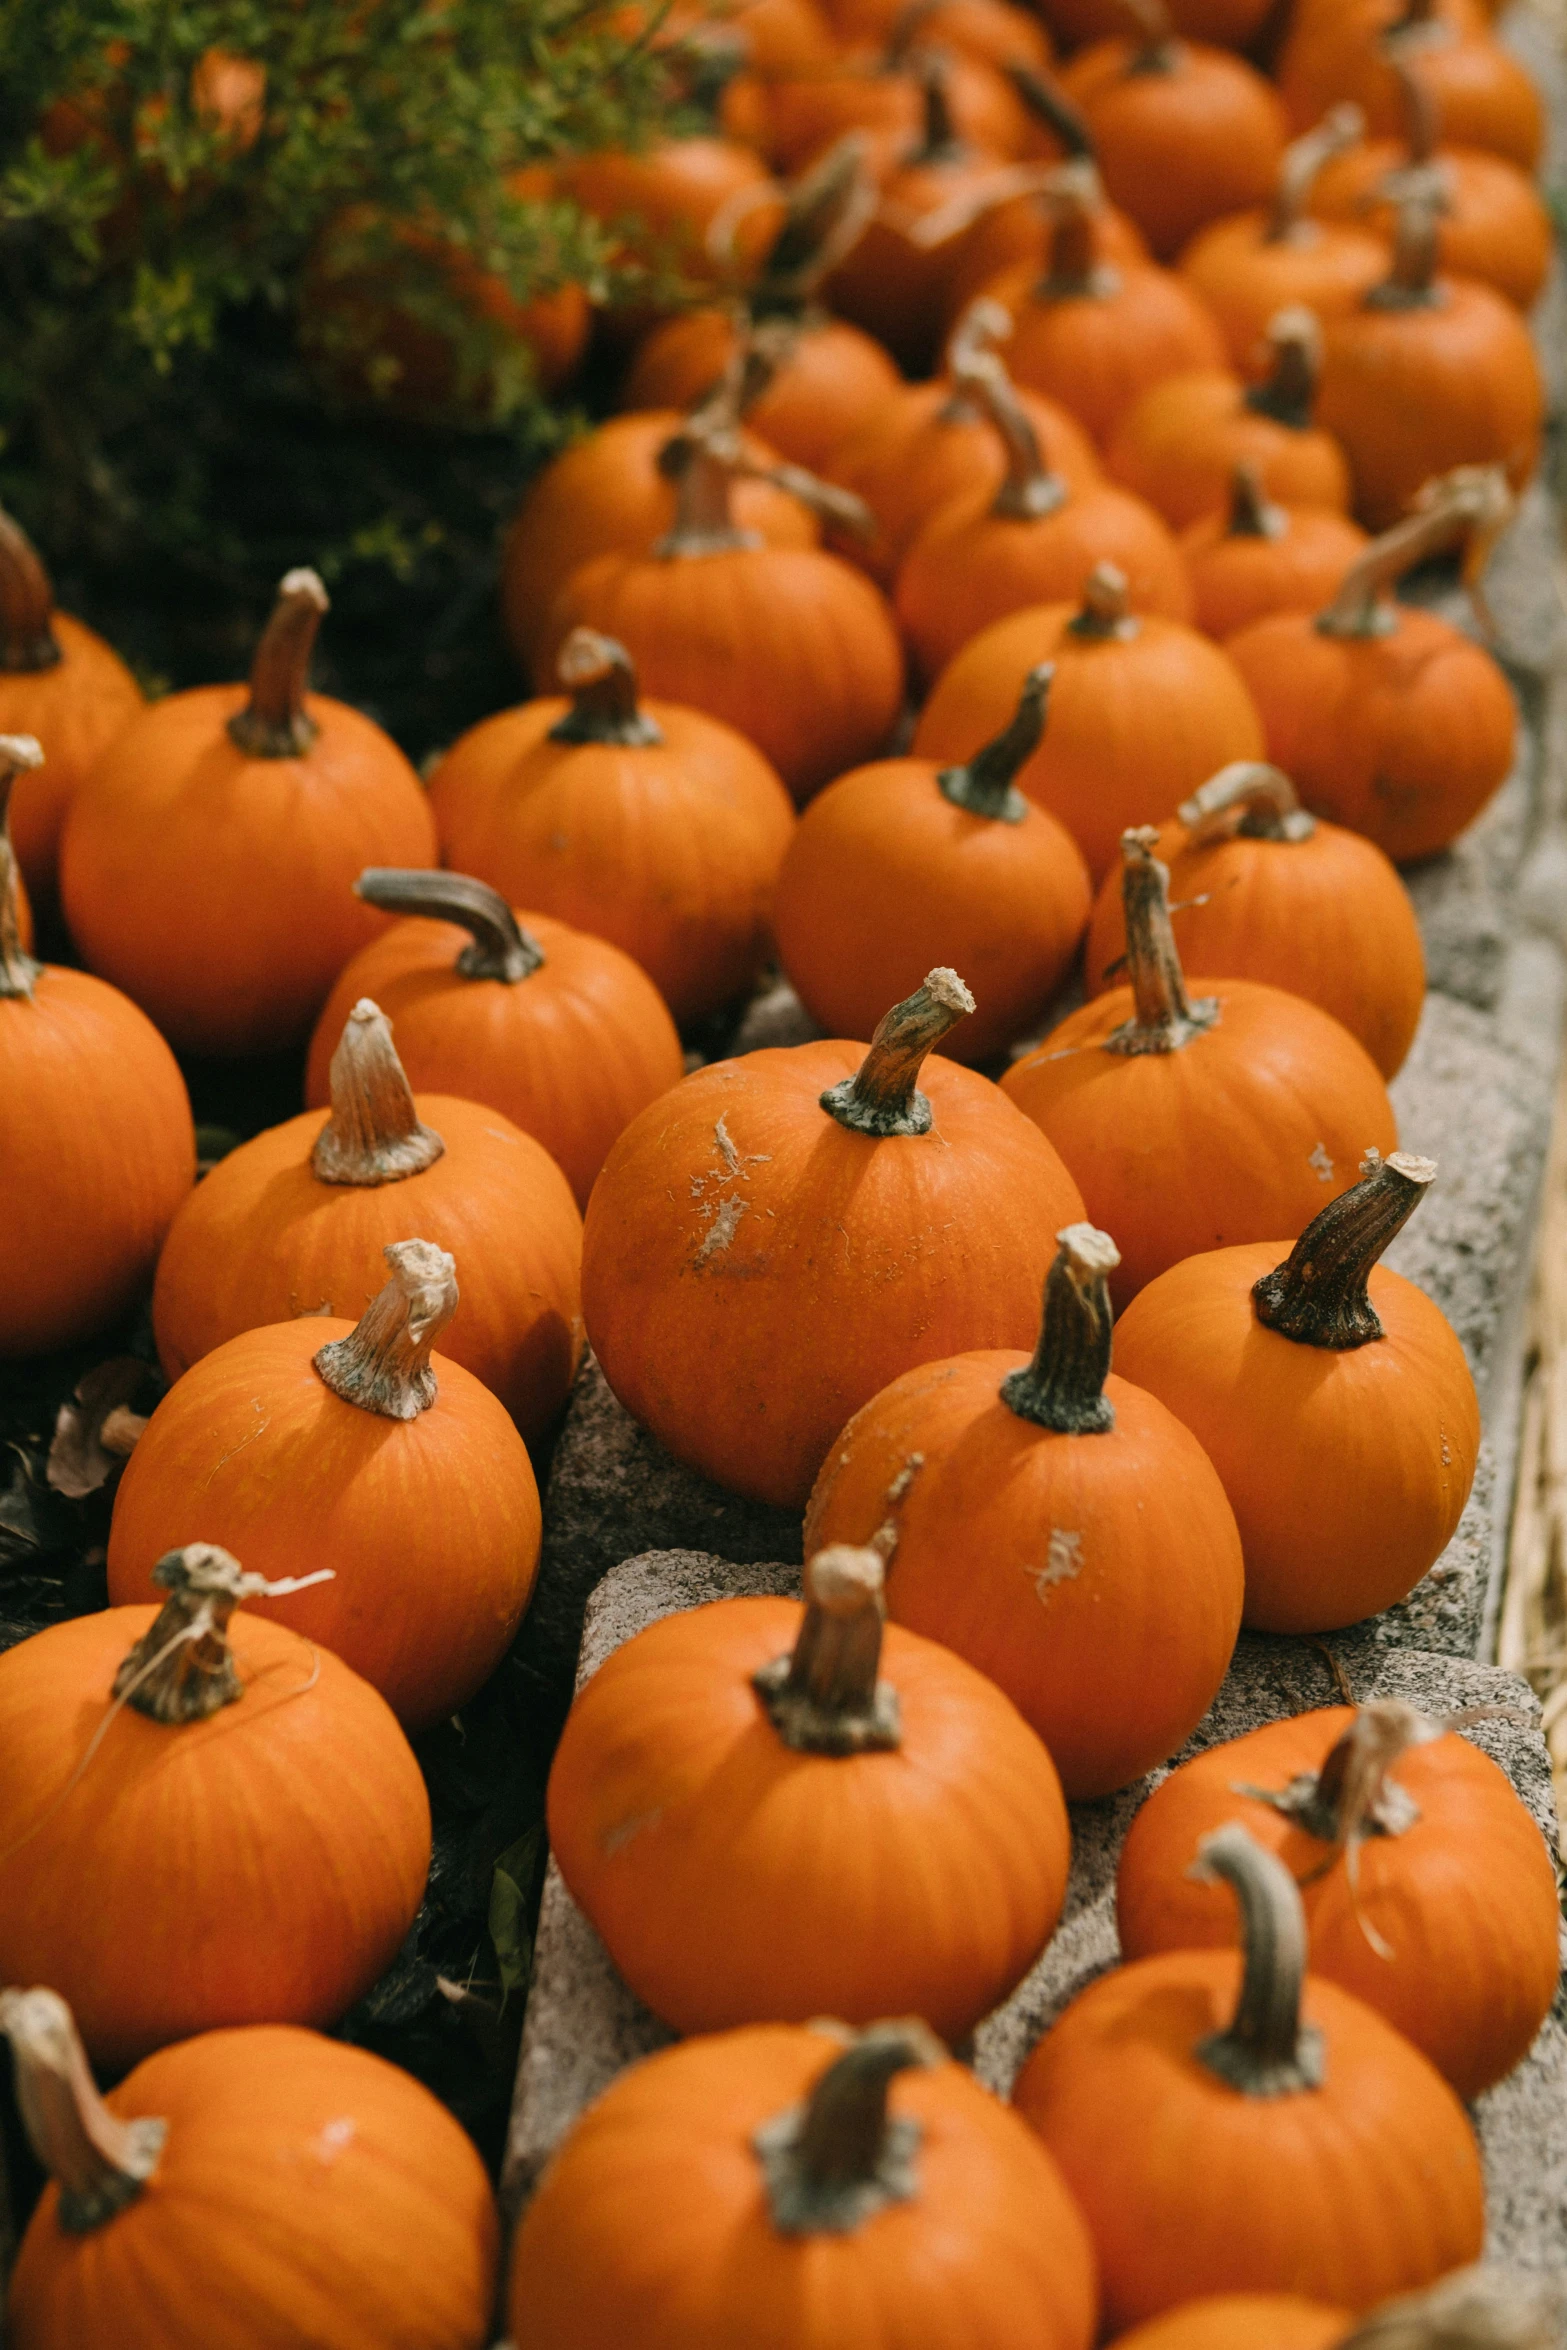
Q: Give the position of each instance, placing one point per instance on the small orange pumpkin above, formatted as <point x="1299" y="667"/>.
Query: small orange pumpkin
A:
<point x="1253" y="264"/>
<point x="954" y="861"/>
<point x="1429" y="1894"/>
<point x="278" y="1445"/>
<point x="60" y="684"/>
<point x="1428" y="373"/>
<point x="245" y="1810"/>
<point x="97" y="1150"/>
<point x="243" y="2188"/>
<point x="1280" y="1369"/>
<point x="784" y="2183"/>
<point x="783" y="1234"/>
<point x="1261" y="890"/>
<point x="1486" y="97"/>
<point x="1179" y="446"/>
<point x="1142" y="710"/>
<point x="918" y="1812"/>
<point x="1055" y="1526"/>
<point x="558" y="1030"/>
<point x="1096" y="336"/>
<point x="1293" y="2140"/>
<point x="645" y="823"/>
<point x="208" y="860"/>
<point x="932" y="443"/>
<point x="295" y="1222"/>
<point x="789" y="645"/>
<point x="987" y="555"/>
<point x="1185" y="133"/>
<point x="1388" y="718"/>
<point x="1257" y="557"/>
<point x="1192" y="1123"/>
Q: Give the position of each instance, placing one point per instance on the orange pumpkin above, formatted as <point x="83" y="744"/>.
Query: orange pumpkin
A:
<point x="60" y="684"/>
<point x="985" y="556"/>
<point x="296" y="1220"/>
<point x="247" y="1814"/>
<point x="644" y="823"/>
<point x="837" y="2181"/>
<point x="240" y="2192"/>
<point x="1055" y="1526"/>
<point x="1253" y="264"/>
<point x="875" y="89"/>
<point x="1278" y="1369"/>
<point x="208" y="860"/>
<point x="1179" y="446"/>
<point x="558" y="1030"/>
<point x="1243" y="2321"/>
<point x="914" y="1808"/>
<point x="277" y="1445"/>
<point x="790" y="646"/>
<point x="1428" y="1889"/>
<point x="1487" y="98"/>
<point x="932" y="444"/>
<point x="1389" y="719"/>
<point x="954" y="861"/>
<point x="1257" y="558"/>
<point x="998" y="31"/>
<point x="1185" y="133"/>
<point x="1193" y="1123"/>
<point x="1426" y="374"/>
<point x="786" y="1232"/>
<point x="97" y="1150"/>
<point x="663" y="203"/>
<point x="1237" y="2125"/>
<point x="1093" y="336"/>
<point x="1142" y="711"/>
<point x="616" y="488"/>
<point x="1491" y="223"/>
<point x="1261" y="890"/>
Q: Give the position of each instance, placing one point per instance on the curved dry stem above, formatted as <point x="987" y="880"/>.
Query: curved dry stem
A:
<point x="825" y="1697"/>
<point x="986" y="784"/>
<point x="1289" y="394"/>
<point x="499" y="947"/>
<point x="1252" y="515"/>
<point x="1063" y="1387"/>
<point x="1075" y="272"/>
<point x="27" y="639"/>
<point x="1165" y="1019"/>
<point x="1320" y="1295"/>
<point x="882" y="1098"/>
<point x="20" y="754"/>
<point x="1248" y="799"/>
<point x="1342" y="126"/>
<point x="98" y="2162"/>
<point x="274" y="723"/>
<point x="1028" y="490"/>
<point x="182" y="1668"/>
<point x="1045" y="99"/>
<point x="832" y="2163"/>
<point x="1412" y="282"/>
<point x="374" y="1134"/>
<point x="1469" y="507"/>
<point x="826" y="209"/>
<point x="1265" y="2050"/>
<point x="383" y="1365"/>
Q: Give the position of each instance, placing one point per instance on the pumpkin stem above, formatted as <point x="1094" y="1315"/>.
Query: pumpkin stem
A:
<point x="1319" y="1295"/>
<point x="383" y="1365"/>
<point x="1352" y="1797"/>
<point x="1342" y="126"/>
<point x="883" y="1096"/>
<point x="27" y="638"/>
<point x="1153" y="29"/>
<point x="1290" y="392"/>
<point x="374" y="1134"/>
<point x="1252" y="515"/>
<point x="601" y="678"/>
<point x="1063" y="1387"/>
<point x="1045" y="99"/>
<point x="98" y="2162"/>
<point x="1075" y="270"/>
<point x="985" y="784"/>
<point x="985" y="322"/>
<point x="834" y="2161"/>
<point x="704" y="520"/>
<point x="1266" y="2050"/>
<point x="1165" y="1018"/>
<point x="826" y="209"/>
<point x="1103" y="616"/>
<point x="824" y="1697"/>
<point x="1028" y="489"/>
<point x="19" y="755"/>
<point x="938" y="141"/>
<point x="1422" y="121"/>
<point x="1246" y="799"/>
<point x="182" y="1668"/>
<point x="1471" y="507"/>
<point x="1411" y="283"/>
<point x="499" y="947"/>
<point x="274" y="723"/>
<point x="1472" y="2309"/>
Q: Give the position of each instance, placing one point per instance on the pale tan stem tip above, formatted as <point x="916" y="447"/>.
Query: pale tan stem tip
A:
<point x="948" y="989"/>
<point x="1090" y="1251"/>
<point x="21" y="753"/>
<point x="307" y="583"/>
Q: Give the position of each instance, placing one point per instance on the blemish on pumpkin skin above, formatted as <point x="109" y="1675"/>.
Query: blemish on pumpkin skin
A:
<point x="224" y="1458"/>
<point x="726" y="1215"/>
<point x="1063" y="1563"/>
<point x="614" y="1840"/>
<point x="335" y="2138"/>
<point x="1320" y="1164"/>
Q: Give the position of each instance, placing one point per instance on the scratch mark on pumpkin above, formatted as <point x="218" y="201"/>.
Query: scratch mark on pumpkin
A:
<point x="616" y="1839"/>
<point x="1063" y="1563"/>
<point x="224" y="1458"/>
<point x="1320" y="1164"/>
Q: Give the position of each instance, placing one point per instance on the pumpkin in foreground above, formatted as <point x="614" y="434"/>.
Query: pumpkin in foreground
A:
<point x="811" y="2188"/>
<point x="773" y="1812"/>
<point x="1194" y="1120"/>
<point x="1428" y="1888"/>
<point x="786" y="1232"/>
<point x="202" y="1821"/>
<point x="1055" y="1526"/>
<point x="242" y="2191"/>
<point x="1232" y="2124"/>
<point x="1331" y="1395"/>
<point x="353" y="1447"/>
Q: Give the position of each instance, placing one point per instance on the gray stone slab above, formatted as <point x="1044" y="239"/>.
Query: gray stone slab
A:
<point x="583" y="2025"/>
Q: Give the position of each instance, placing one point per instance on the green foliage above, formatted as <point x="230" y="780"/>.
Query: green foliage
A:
<point x="190" y="401"/>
